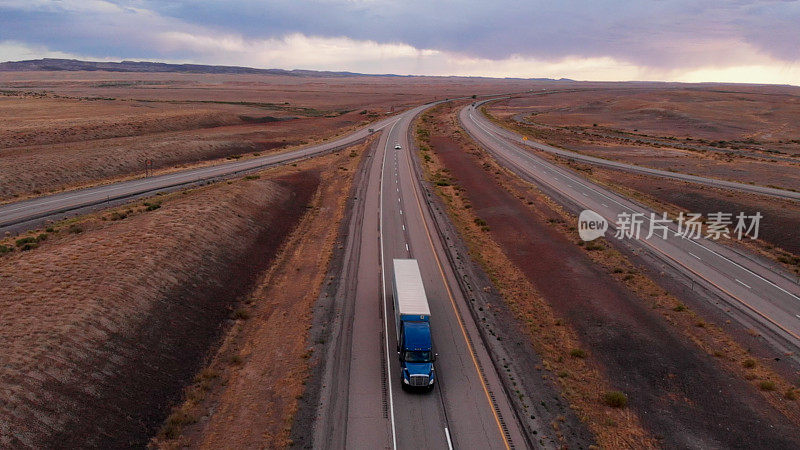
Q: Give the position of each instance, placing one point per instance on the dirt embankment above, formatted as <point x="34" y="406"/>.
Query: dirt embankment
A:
<point x="106" y="321"/>
<point x="682" y="395"/>
<point x="247" y="395"/>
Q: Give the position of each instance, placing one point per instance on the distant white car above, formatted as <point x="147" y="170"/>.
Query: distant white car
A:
<point x="397" y="146"/>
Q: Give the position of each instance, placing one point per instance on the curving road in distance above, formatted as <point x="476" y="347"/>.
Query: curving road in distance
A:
<point x="761" y="291"/>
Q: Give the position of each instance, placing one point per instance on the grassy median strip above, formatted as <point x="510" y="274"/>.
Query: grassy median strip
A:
<point x="710" y="338"/>
<point x="583" y="384"/>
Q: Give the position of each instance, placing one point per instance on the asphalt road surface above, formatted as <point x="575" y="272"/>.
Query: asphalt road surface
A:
<point x="760" y="290"/>
<point x="519" y="139"/>
<point x="459" y="412"/>
<point x="18" y="214"/>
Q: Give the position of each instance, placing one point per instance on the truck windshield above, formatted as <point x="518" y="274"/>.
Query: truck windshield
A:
<point x="418" y="356"/>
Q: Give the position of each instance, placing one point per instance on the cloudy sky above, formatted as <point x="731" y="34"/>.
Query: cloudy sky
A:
<point x="673" y="40"/>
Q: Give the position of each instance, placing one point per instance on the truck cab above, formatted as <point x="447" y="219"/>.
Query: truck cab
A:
<point x="415" y="351"/>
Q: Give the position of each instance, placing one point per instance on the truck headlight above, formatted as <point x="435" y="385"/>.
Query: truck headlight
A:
<point x="405" y="380"/>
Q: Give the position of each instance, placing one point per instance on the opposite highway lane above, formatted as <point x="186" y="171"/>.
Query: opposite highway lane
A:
<point x="756" y="288"/>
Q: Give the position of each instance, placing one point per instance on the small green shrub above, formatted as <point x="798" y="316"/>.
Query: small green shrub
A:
<point x="577" y="353"/>
<point x="241" y="314"/>
<point x="615" y="399"/>
<point x="592" y="246"/>
<point x="175" y="423"/>
<point x="25" y="240"/>
<point x="767" y="385"/>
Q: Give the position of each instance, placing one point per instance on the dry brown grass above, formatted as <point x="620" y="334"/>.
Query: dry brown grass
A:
<point x="62" y="130"/>
<point x="723" y="135"/>
<point x="766" y="114"/>
<point x="549" y="334"/>
<point x="78" y="150"/>
<point x="65" y="301"/>
<point x="709" y="337"/>
<point x="778" y="214"/>
<point x="263" y="361"/>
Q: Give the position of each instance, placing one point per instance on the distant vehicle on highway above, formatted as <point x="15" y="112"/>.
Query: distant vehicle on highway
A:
<point x="397" y="146"/>
<point x="412" y="318"/>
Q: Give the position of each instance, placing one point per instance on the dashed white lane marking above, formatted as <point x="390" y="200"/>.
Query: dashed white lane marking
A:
<point x="383" y="284"/>
<point x="584" y="194"/>
<point x="694" y="255"/>
<point x="406" y="247"/>
<point x="604" y="205"/>
<point x="404" y="227"/>
<point x="449" y="442"/>
<point x="740" y="282"/>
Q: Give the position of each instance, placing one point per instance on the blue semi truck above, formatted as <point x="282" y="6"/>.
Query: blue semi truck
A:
<point x="413" y="324"/>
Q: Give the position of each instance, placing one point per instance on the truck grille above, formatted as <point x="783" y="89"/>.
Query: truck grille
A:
<point x="418" y="380"/>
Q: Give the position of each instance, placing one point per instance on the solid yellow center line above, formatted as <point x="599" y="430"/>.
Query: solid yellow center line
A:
<point x="458" y="316"/>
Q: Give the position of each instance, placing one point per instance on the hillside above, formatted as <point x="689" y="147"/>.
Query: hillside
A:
<point x="51" y="64"/>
